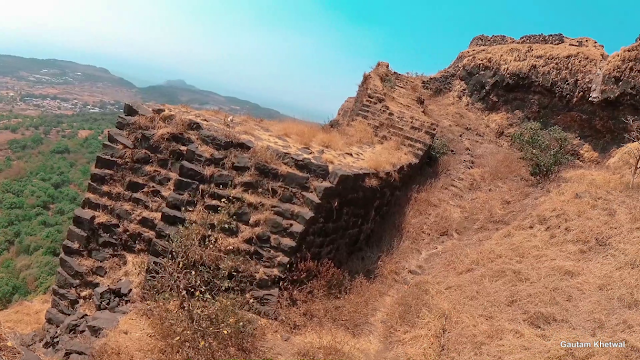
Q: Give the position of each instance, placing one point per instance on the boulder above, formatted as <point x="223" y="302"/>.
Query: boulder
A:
<point x="172" y="217"/>
<point x="192" y="172"/>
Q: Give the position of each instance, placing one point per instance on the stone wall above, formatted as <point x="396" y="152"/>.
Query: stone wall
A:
<point x="375" y="105"/>
<point x="147" y="183"/>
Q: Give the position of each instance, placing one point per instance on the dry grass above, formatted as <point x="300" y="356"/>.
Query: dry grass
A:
<point x="388" y="156"/>
<point x="25" y="316"/>
<point x="307" y="134"/>
<point x="133" y="339"/>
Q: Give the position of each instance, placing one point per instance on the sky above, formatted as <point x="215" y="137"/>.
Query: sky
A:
<point x="301" y="57"/>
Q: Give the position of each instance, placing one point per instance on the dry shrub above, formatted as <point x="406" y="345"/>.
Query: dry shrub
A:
<point x="307" y="134"/>
<point x="195" y="307"/>
<point x="311" y="279"/>
<point x="388" y="156"/>
<point x="265" y="155"/>
<point x="204" y="329"/>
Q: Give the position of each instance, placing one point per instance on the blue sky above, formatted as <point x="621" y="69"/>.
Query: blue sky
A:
<point x="302" y="57"/>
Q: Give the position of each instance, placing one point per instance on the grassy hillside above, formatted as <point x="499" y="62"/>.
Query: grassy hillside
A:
<point x="41" y="183"/>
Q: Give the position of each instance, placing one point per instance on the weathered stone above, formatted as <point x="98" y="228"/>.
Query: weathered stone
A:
<point x="192" y="172"/>
<point x="242" y="215"/>
<point x="155" y="265"/>
<point x="123" y="288"/>
<point x="182" y="186"/>
<point x="65" y="295"/>
<point x="109" y="227"/>
<point x="54" y="317"/>
<point x="121" y="213"/>
<point x="296" y="180"/>
<point x="309" y="166"/>
<point x="64" y="281"/>
<point x="215" y="141"/>
<point x="100" y="177"/>
<point x="194" y="155"/>
<point x="76" y="347"/>
<point x="105" y="241"/>
<point x="77" y="236"/>
<point x="267" y="170"/>
<point x="323" y="189"/>
<point x="142" y="158"/>
<point x="135" y="109"/>
<point x="62" y="306"/>
<point x="287" y="197"/>
<point x="84" y="219"/>
<point x="249" y="184"/>
<point x="164" y="231"/>
<point x="213" y="206"/>
<point x="222" y="179"/>
<point x="245" y="144"/>
<point x="70" y="248"/>
<point x="293" y="228"/>
<point x="102" y="320"/>
<point x="284" y="244"/>
<point x="310" y="200"/>
<point x="71" y="267"/>
<point x="303" y="216"/>
<point x="275" y="224"/>
<point x="100" y="271"/>
<point x="99" y="255"/>
<point x="147" y="223"/>
<point x="339" y="177"/>
<point x="263" y="238"/>
<point x="242" y="163"/>
<point x="124" y="122"/>
<point x="28" y="354"/>
<point x="135" y="186"/>
<point x="140" y="200"/>
<point x="160" y="179"/>
<point x="105" y="162"/>
<point x="172" y="217"/>
<point x="110" y="150"/>
<point x="118" y="138"/>
<point x="159" y="248"/>
<point x="176" y="154"/>
<point x="94" y="204"/>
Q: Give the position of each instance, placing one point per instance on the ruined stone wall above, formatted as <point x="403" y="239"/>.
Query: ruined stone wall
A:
<point x="147" y="183"/>
<point x="376" y="104"/>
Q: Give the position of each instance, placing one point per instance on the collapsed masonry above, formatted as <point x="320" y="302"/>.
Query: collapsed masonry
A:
<point x="156" y="171"/>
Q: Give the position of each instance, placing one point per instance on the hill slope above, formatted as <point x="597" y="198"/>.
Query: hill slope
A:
<point x="475" y="258"/>
<point x="177" y="92"/>
<point x="73" y="81"/>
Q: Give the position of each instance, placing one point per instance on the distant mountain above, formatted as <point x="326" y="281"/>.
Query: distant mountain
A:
<point x="176" y="92"/>
<point x="57" y="72"/>
<point x="41" y="76"/>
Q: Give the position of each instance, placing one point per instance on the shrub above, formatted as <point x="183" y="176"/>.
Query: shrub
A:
<point x="546" y="150"/>
<point x="439" y="148"/>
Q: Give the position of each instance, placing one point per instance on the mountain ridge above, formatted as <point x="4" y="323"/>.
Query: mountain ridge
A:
<point x="71" y="78"/>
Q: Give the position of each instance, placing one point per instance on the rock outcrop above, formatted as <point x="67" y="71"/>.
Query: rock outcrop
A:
<point x="552" y="78"/>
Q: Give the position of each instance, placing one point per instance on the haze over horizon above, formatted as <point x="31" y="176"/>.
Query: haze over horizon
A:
<point x="301" y="58"/>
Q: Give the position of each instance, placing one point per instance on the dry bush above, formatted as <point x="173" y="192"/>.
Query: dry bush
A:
<point x="194" y="309"/>
<point x="330" y="344"/>
<point x="311" y="279"/>
<point x="265" y="155"/>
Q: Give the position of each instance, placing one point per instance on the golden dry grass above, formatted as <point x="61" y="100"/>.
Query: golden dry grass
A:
<point x="133" y="339"/>
<point x="25" y="316"/>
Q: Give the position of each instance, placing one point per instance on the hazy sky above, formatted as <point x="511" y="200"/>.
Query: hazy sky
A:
<point x="302" y="57"/>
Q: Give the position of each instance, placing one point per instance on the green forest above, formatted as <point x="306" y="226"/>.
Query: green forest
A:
<point x="41" y="183"/>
